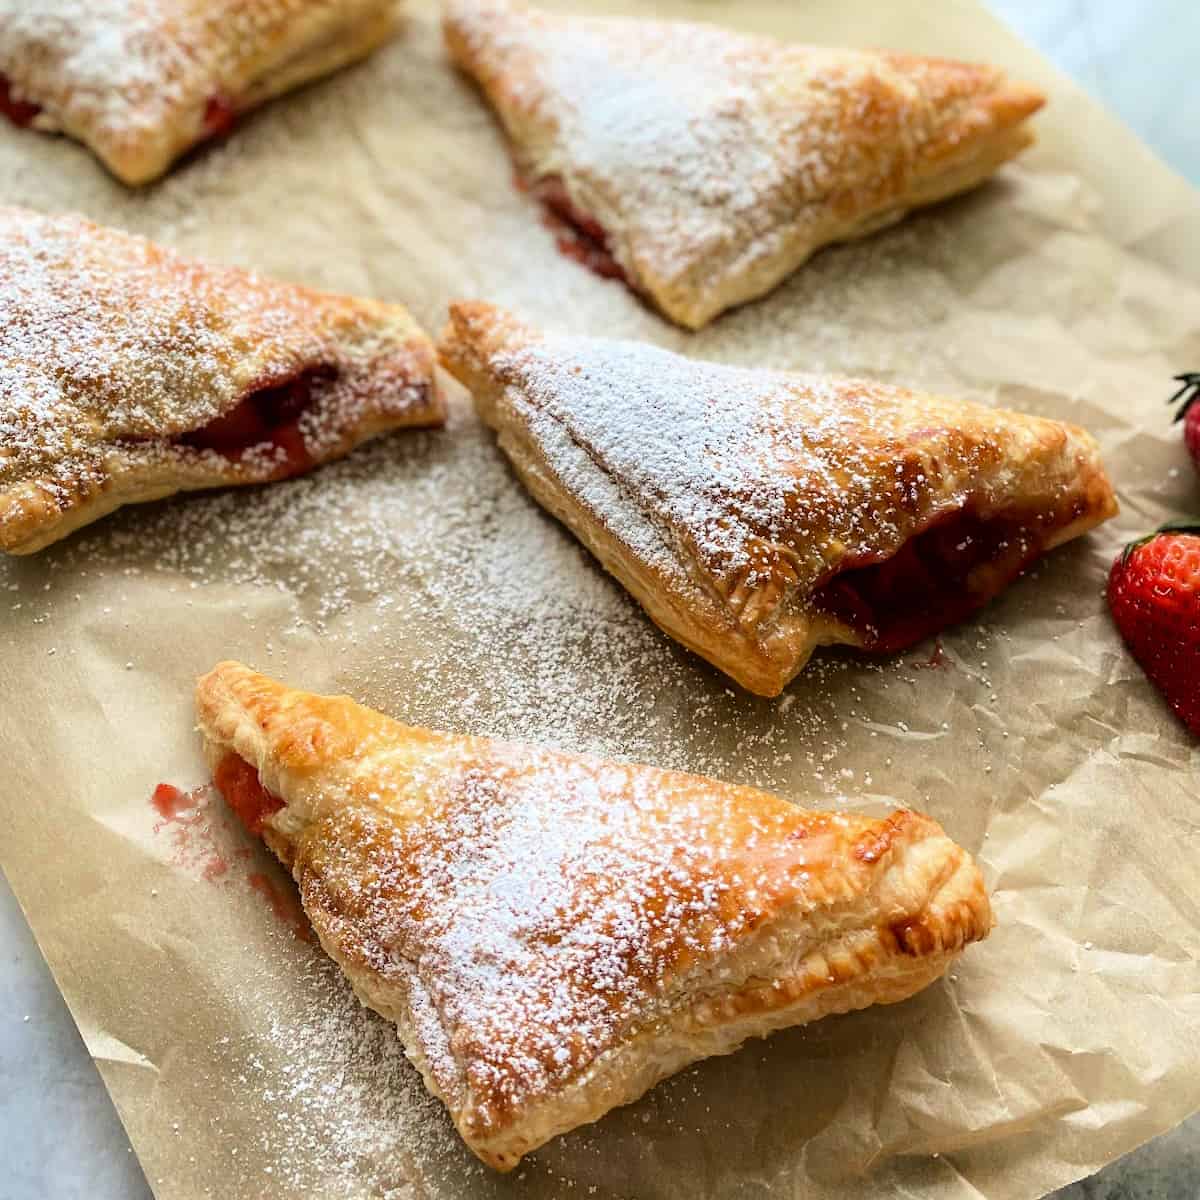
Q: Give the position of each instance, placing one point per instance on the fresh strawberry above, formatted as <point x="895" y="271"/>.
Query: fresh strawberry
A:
<point x="1189" y="411"/>
<point x="1154" y="595"/>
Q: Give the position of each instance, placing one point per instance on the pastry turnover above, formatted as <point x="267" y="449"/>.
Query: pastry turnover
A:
<point x="759" y="514"/>
<point x="141" y="81"/>
<point x="554" y="933"/>
<point x="703" y="166"/>
<point x="129" y="373"/>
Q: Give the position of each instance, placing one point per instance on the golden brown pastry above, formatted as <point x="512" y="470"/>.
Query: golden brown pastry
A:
<point x="141" y="81"/>
<point x="759" y="514"/>
<point x="554" y="933"/>
<point x="129" y="373"/>
<point x="703" y="166"/>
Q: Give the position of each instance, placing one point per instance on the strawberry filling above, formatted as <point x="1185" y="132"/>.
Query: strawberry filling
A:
<point x="578" y="234"/>
<point x="19" y="112"/>
<point x="239" y="783"/>
<point x="220" y="116"/>
<point x="932" y="581"/>
<point x="267" y="419"/>
<point x="169" y="801"/>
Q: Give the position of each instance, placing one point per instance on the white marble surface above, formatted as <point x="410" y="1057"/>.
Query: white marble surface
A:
<point x="1140" y="58"/>
<point x="60" y="1138"/>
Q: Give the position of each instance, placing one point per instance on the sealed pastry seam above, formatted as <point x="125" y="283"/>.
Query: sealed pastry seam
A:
<point x="703" y="166"/>
<point x="552" y="933"/>
<point x="140" y="82"/>
<point x="759" y="514"/>
<point x="128" y="373"/>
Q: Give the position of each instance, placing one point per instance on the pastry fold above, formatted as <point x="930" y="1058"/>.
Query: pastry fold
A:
<point x="140" y="82"/>
<point x="704" y="166"/>
<point x="129" y="373"/>
<point x="554" y="933"/>
<point x="758" y="514"/>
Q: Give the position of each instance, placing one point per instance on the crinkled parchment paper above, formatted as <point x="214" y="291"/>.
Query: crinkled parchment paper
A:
<point x="418" y="577"/>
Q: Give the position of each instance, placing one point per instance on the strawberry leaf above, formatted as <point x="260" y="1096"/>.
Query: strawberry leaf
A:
<point x="1183" y="525"/>
<point x="1189" y="525"/>
<point x="1188" y="392"/>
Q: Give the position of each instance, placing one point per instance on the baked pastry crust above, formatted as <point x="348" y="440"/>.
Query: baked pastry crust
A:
<point x="711" y="164"/>
<point x="119" y="361"/>
<point x="553" y="933"/>
<point x="759" y="514"/>
<point x="141" y="81"/>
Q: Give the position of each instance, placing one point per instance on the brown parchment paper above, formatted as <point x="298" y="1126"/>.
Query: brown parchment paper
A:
<point x="418" y="577"/>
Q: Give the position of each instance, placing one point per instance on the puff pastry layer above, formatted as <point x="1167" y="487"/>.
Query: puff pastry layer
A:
<point x="552" y="933"/>
<point x="759" y="514"/>
<point x="128" y="373"/>
<point x="141" y="81"/>
<point x="703" y="165"/>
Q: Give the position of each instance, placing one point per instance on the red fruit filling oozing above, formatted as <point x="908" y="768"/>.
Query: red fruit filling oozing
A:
<point x="19" y="112"/>
<point x="220" y="117"/>
<point x="266" y="420"/>
<point x="578" y="234"/>
<point x="239" y="783"/>
<point x="928" y="583"/>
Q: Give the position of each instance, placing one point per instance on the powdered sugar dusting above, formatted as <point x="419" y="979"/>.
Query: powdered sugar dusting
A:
<point x="118" y="60"/>
<point x="714" y="456"/>
<point x="687" y="128"/>
<point x="75" y="370"/>
<point x="547" y="904"/>
<point x="472" y="610"/>
<point x="328" y="1099"/>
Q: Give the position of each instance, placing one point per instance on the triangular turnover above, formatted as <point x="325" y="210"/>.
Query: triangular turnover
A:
<point x="757" y="514"/>
<point x="702" y="165"/>
<point x="554" y="933"/>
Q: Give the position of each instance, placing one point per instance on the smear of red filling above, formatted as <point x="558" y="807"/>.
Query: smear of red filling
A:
<point x="925" y="586"/>
<point x="170" y="802"/>
<point x="19" y="112"/>
<point x="220" y="116"/>
<point x="238" y="782"/>
<point x="184" y="812"/>
<point x="195" y="836"/>
<point x="267" y="418"/>
<point x="213" y="868"/>
<point x="578" y="234"/>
